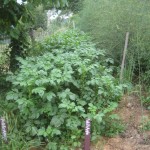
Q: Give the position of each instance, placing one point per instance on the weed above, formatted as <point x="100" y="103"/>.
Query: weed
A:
<point x="145" y="124"/>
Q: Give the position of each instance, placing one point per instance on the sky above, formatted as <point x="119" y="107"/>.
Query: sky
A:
<point x="19" y="1"/>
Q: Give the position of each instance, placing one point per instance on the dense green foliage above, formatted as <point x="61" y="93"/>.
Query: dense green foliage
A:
<point x="65" y="41"/>
<point x="54" y="93"/>
<point x="16" y="20"/>
<point x="108" y="21"/>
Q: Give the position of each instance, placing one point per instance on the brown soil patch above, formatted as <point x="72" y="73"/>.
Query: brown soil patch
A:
<point x="131" y="112"/>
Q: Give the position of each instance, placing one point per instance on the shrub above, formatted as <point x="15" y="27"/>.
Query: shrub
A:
<point x="55" y="93"/>
<point x="107" y="23"/>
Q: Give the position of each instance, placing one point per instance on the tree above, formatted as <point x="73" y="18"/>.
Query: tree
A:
<point x="15" y="21"/>
<point x="75" y="5"/>
<point x="40" y="18"/>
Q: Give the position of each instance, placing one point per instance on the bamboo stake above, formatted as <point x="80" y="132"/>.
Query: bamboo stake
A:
<point x="124" y="56"/>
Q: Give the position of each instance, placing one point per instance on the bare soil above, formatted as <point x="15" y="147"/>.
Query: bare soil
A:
<point x="134" y="138"/>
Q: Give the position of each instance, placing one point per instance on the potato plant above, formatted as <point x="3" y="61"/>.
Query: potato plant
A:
<point x="55" y="92"/>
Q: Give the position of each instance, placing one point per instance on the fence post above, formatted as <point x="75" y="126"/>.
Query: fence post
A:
<point x="124" y="56"/>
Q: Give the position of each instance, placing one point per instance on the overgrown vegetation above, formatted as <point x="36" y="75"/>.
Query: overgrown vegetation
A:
<point x="54" y="93"/>
<point x="59" y="81"/>
<point x="107" y="23"/>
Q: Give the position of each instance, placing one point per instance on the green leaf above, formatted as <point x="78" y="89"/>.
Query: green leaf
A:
<point x="55" y="132"/>
<point x="39" y="90"/>
<point x="57" y="120"/>
<point x="49" y="130"/>
<point x="34" y="131"/>
<point x="12" y="96"/>
<point x="82" y="103"/>
<point x="22" y="101"/>
<point x="41" y="131"/>
<point x="99" y="117"/>
<point x="80" y="108"/>
<point x="100" y="91"/>
<point x="50" y="95"/>
<point x="64" y="105"/>
<point x="52" y="146"/>
<point x="72" y="97"/>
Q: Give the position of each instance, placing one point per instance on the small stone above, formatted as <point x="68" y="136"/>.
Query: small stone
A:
<point x="129" y="105"/>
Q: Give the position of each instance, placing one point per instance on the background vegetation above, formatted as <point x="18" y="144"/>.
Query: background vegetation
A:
<point x="107" y="23"/>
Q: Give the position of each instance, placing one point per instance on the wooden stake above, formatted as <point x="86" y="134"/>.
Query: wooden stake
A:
<point x="124" y="56"/>
<point x="73" y="23"/>
<point x="87" y="135"/>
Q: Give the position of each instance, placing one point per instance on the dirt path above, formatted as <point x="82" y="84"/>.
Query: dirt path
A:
<point x="133" y="138"/>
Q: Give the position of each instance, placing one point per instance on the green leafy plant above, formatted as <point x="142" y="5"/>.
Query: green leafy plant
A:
<point x="112" y="126"/>
<point x="56" y="92"/>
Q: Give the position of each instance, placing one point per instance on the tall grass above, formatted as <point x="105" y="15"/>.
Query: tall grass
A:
<point x="108" y="21"/>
